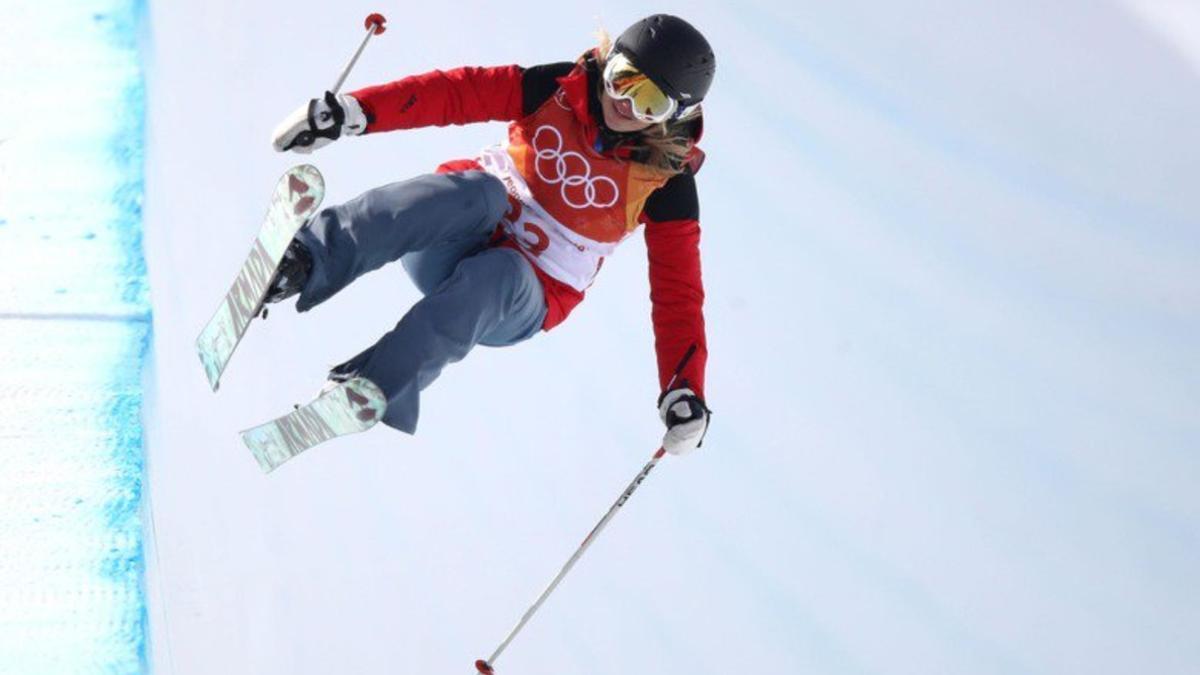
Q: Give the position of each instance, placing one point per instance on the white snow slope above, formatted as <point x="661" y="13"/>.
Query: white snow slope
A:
<point x="951" y="259"/>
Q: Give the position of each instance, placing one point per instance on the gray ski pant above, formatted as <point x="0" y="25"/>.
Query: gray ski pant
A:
<point x="439" y="226"/>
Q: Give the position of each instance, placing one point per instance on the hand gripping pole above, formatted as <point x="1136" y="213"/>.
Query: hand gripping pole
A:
<point x="375" y="25"/>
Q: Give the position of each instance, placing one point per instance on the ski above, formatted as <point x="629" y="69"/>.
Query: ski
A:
<point x="349" y="407"/>
<point x="296" y="197"/>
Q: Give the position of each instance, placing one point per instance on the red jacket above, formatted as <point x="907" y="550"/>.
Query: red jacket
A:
<point x="670" y="215"/>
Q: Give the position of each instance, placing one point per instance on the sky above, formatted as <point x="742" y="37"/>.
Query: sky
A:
<point x="950" y="260"/>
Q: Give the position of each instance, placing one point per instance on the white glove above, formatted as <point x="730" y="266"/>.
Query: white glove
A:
<point x="686" y="418"/>
<point x="318" y="123"/>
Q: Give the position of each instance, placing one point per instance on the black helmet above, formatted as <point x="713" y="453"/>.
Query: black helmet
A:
<point x="673" y="54"/>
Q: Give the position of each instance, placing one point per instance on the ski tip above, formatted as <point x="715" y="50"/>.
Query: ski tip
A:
<point x="310" y="172"/>
<point x="303" y="177"/>
<point x="483" y="667"/>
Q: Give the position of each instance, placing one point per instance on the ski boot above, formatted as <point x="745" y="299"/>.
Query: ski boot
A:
<point x="291" y="275"/>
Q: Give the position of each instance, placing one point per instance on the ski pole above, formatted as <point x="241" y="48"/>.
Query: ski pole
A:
<point x="374" y="24"/>
<point x="486" y="667"/>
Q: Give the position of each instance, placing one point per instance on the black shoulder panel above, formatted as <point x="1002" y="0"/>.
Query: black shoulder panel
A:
<point x="538" y="84"/>
<point x="676" y="200"/>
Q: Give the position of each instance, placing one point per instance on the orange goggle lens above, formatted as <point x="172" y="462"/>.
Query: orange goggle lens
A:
<point x="623" y="80"/>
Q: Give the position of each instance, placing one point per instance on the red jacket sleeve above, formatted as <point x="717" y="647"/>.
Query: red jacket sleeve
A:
<point x="439" y="98"/>
<point x="677" y="299"/>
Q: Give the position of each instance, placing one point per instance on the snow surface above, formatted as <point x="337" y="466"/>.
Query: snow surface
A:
<point x="950" y="251"/>
<point x="75" y="326"/>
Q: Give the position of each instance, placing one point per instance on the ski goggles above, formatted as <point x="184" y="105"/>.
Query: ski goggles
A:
<point x="624" y="81"/>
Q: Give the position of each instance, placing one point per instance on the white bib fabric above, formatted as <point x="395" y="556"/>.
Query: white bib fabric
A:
<point x="558" y="250"/>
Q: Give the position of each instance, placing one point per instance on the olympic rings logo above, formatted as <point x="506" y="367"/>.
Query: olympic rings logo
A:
<point x="572" y="170"/>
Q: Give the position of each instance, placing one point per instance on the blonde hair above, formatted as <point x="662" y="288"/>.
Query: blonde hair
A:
<point x="665" y="145"/>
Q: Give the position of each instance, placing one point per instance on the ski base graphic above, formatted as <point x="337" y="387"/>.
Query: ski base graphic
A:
<point x="296" y="197"/>
<point x="350" y="407"/>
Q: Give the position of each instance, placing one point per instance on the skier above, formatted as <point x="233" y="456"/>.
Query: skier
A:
<point x="504" y="245"/>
